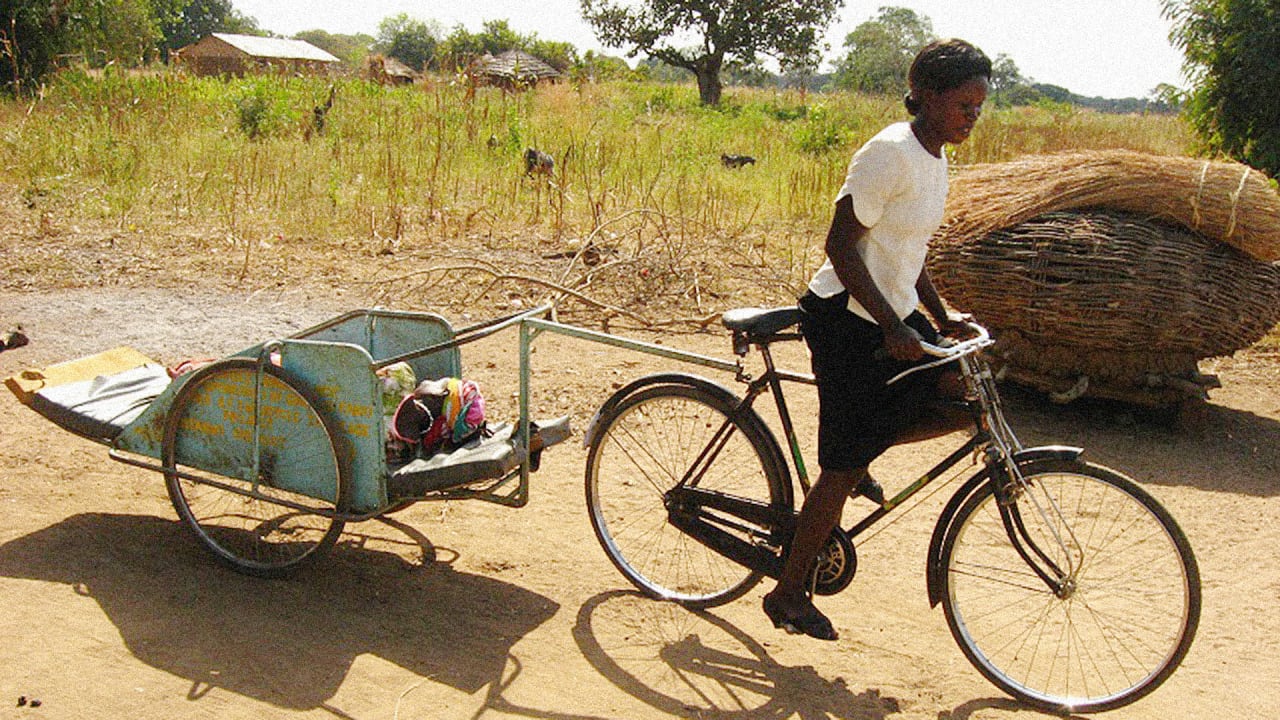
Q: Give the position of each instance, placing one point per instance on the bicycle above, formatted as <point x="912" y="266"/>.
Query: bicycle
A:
<point x="1064" y="583"/>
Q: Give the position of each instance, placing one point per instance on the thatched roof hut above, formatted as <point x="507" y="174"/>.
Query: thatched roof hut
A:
<point x="389" y="71"/>
<point x="228" y="54"/>
<point x="514" y="70"/>
<point x="1111" y="274"/>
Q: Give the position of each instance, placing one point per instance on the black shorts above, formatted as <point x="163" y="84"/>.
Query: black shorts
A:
<point x="858" y="415"/>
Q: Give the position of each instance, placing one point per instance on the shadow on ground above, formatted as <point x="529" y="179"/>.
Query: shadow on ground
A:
<point x="1237" y="451"/>
<point x="289" y="642"/>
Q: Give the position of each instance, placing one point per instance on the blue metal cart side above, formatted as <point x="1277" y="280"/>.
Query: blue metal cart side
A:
<point x="268" y="452"/>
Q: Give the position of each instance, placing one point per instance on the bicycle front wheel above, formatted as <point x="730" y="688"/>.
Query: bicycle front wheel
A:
<point x="644" y="447"/>
<point x="1112" y="616"/>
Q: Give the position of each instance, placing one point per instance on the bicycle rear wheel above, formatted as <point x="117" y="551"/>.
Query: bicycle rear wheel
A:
<point x="642" y="448"/>
<point x="1125" y="611"/>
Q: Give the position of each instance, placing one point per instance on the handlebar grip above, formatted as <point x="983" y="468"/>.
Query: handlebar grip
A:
<point x="959" y="347"/>
<point x="952" y="348"/>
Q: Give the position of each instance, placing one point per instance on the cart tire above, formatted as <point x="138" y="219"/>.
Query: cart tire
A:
<point x="208" y="452"/>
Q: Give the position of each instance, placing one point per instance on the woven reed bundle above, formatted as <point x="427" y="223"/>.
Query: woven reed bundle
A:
<point x="1116" y="297"/>
<point x="1226" y="201"/>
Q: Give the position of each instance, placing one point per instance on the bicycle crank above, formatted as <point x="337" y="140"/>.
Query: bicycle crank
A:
<point x="836" y="564"/>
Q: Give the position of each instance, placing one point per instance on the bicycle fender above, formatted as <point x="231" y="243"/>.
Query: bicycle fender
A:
<point x="933" y="568"/>
<point x="669" y="378"/>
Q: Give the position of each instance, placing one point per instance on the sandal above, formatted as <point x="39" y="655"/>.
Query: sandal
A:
<point x="868" y="488"/>
<point x="812" y="623"/>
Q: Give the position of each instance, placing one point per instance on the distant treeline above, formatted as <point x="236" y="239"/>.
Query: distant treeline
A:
<point x="39" y="36"/>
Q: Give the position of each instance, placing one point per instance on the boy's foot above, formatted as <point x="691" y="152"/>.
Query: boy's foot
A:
<point x="868" y="488"/>
<point x="808" y="621"/>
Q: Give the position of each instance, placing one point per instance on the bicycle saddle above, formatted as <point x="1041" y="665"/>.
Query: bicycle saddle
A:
<point x="761" y="321"/>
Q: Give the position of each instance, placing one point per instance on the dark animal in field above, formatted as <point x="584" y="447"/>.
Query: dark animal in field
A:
<point x="736" y="161"/>
<point x="320" y="112"/>
<point x="537" y="162"/>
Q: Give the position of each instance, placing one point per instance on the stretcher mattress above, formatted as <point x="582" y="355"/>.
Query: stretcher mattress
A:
<point x="100" y="407"/>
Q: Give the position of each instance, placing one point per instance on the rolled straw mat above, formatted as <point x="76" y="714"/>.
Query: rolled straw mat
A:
<point x="1225" y="201"/>
<point x="1109" y="293"/>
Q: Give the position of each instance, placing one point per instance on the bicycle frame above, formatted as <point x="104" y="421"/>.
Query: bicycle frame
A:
<point x="984" y="407"/>
<point x="1002" y="453"/>
<point x="993" y="437"/>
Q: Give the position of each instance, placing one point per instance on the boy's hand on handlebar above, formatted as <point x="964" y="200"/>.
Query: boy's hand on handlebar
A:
<point x="902" y="342"/>
<point x="957" y="327"/>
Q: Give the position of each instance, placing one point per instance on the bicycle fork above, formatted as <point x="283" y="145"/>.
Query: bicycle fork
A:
<point x="1010" y="486"/>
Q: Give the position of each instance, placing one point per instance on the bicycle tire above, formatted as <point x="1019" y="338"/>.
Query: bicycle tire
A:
<point x="1112" y="636"/>
<point x="255" y="535"/>
<point x="643" y="446"/>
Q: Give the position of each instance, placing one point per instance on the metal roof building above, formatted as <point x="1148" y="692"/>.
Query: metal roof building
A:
<point x="227" y="54"/>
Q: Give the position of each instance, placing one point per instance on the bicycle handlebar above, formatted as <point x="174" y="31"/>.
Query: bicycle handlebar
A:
<point x="981" y="338"/>
<point x="944" y="354"/>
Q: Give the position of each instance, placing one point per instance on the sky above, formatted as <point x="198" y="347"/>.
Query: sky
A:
<point x="1106" y="48"/>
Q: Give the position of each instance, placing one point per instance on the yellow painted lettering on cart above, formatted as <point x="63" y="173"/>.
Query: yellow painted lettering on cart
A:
<point x="357" y="429"/>
<point x="201" y="427"/>
<point x="350" y="409"/>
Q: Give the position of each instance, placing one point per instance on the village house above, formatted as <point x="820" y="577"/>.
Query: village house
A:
<point x="227" y="54"/>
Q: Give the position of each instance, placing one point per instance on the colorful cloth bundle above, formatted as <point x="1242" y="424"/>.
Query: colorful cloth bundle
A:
<point x="461" y="415"/>
<point x="439" y="413"/>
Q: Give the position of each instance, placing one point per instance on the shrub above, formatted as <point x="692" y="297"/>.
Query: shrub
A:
<point x="264" y="110"/>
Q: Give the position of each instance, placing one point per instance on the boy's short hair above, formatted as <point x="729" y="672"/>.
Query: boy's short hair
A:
<point x="943" y="65"/>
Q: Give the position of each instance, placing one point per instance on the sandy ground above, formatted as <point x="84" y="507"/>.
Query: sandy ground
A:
<point x="467" y="610"/>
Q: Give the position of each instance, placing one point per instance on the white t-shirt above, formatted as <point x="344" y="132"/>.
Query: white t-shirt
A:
<point x="899" y="192"/>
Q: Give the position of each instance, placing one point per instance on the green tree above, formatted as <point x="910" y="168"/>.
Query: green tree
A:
<point x="1008" y="86"/>
<point x="183" y="22"/>
<point x="409" y="40"/>
<point x="32" y="34"/>
<point x="1230" y="49"/>
<point x="458" y="49"/>
<point x="737" y="30"/>
<point x="122" y="32"/>
<point x="598" y="67"/>
<point x="350" y="49"/>
<point x="1054" y="93"/>
<point x="497" y="37"/>
<point x="879" y="51"/>
<point x="558" y="54"/>
<point x="1166" y="95"/>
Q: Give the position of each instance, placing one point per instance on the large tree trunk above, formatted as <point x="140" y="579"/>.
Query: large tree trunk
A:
<point x="708" y="74"/>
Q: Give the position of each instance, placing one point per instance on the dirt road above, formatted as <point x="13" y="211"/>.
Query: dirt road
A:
<point x="465" y="610"/>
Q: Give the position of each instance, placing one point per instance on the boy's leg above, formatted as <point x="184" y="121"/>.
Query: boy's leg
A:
<point x="818" y="516"/>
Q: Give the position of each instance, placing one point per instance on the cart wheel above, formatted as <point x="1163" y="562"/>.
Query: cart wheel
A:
<point x="262" y="518"/>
